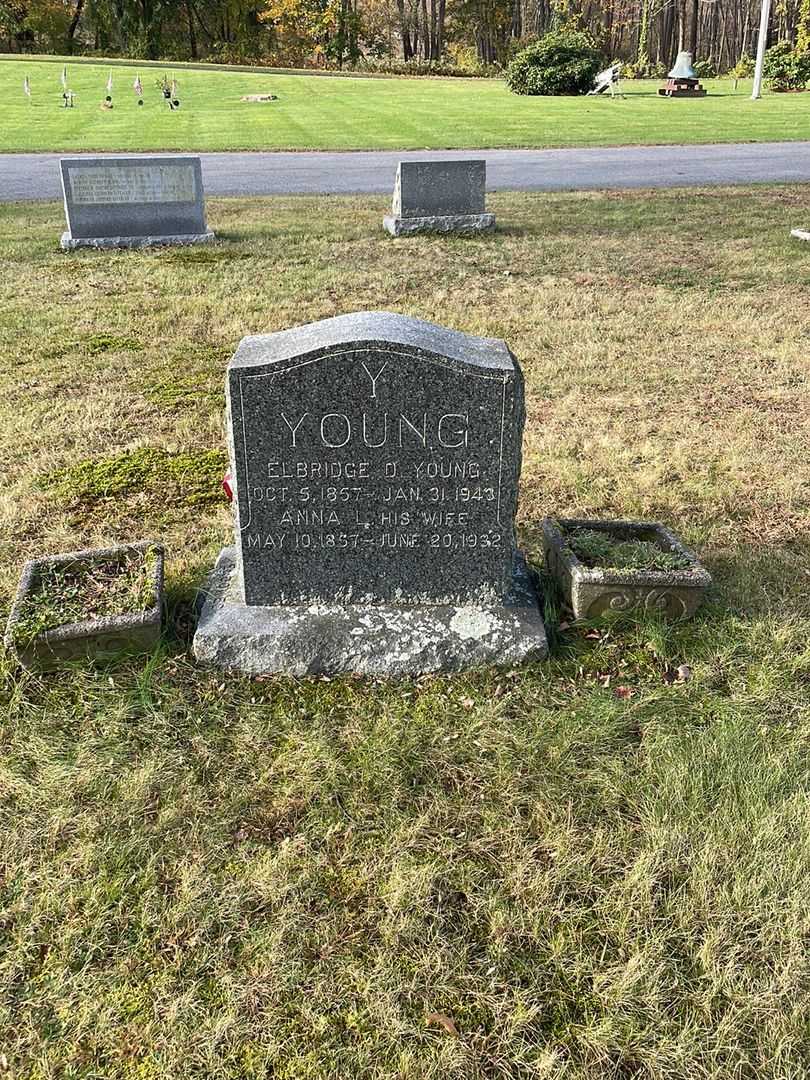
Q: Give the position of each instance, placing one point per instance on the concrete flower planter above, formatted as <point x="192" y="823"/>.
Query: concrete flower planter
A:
<point x="135" y="631"/>
<point x="593" y="591"/>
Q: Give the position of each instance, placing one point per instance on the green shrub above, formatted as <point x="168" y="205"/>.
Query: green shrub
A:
<point x="786" y="69"/>
<point x="644" y="69"/>
<point x="705" y="69"/>
<point x="743" y="69"/>
<point x="467" y="68"/>
<point x="561" y="62"/>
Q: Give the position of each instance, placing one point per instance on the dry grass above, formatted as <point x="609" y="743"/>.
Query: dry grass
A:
<point x="231" y="878"/>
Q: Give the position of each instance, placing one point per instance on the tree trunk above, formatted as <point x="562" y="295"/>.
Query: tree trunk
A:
<point x="74" y="22"/>
<point x="405" y="32"/>
<point x="192" y="37"/>
<point x="440" y="28"/>
<point x="693" y="29"/>
<point x="516" y="29"/>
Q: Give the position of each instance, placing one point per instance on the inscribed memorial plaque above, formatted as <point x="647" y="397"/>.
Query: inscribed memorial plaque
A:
<point x="375" y="460"/>
<point x="132" y="202"/>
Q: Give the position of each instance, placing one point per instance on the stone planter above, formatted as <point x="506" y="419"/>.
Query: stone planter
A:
<point x="137" y="631"/>
<point x="593" y="591"/>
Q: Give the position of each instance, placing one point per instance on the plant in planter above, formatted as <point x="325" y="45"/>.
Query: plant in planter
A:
<point x="87" y="603"/>
<point x="622" y="566"/>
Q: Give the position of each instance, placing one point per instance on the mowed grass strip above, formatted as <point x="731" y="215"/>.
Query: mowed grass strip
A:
<point x="343" y="113"/>
<point x="592" y="868"/>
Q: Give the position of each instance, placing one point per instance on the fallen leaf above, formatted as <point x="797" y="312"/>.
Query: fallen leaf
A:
<point x="683" y="673"/>
<point x="623" y="692"/>
<point x="564" y="626"/>
<point x="467" y="702"/>
<point x="443" y="1020"/>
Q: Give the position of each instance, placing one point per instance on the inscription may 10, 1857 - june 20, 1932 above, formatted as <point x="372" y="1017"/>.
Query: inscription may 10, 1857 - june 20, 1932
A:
<point x="375" y="470"/>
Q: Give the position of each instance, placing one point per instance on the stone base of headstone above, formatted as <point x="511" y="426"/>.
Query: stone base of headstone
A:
<point x="315" y="639"/>
<point x="71" y="243"/>
<point x="446" y="223"/>
<point x="800" y="234"/>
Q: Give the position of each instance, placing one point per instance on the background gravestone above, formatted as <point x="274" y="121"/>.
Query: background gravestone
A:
<point x="375" y="461"/>
<point x="439" y="196"/>
<point x="133" y="201"/>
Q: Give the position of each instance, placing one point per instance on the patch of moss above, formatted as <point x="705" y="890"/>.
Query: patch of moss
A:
<point x="92" y="345"/>
<point x="597" y="548"/>
<point x="188" y="479"/>
<point x="73" y="593"/>
<point x="180" y="392"/>
<point x="103" y="343"/>
<point x="203" y="255"/>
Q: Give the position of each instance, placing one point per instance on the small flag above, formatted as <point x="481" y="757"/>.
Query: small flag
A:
<point x="27" y="86"/>
<point x="174" y="87"/>
<point x="64" y="77"/>
<point x="109" y="84"/>
<point x="137" y="86"/>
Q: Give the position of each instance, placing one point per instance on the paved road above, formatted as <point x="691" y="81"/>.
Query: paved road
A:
<point x="36" y="176"/>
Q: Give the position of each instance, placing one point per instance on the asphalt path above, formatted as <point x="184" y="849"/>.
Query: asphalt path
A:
<point x="25" y="177"/>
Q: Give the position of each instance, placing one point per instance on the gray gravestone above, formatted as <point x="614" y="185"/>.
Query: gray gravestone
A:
<point x="375" y="461"/>
<point x="133" y="201"/>
<point x="439" y="196"/>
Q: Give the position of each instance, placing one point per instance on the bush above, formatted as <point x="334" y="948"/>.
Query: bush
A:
<point x="391" y="66"/>
<point x="743" y="69"/>
<point x="705" y="69"/>
<point x="785" y="69"/>
<point x="561" y="62"/>
<point x="644" y="69"/>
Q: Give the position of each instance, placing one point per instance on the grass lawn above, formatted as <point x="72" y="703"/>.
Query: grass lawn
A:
<point x="322" y="113"/>
<point x="592" y="869"/>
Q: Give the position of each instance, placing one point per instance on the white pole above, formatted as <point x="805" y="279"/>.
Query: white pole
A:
<point x="764" y="19"/>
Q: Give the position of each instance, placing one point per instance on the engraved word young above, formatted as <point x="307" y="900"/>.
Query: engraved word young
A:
<point x="335" y="430"/>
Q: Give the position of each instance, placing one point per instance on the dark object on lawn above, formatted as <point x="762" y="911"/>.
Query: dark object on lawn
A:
<point x="674" y="591"/>
<point x="40" y="641"/>
<point x="683" y="80"/>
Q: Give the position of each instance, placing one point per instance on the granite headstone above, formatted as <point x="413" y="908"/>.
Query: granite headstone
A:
<point x="439" y="196"/>
<point x="375" y="461"/>
<point x="133" y="201"/>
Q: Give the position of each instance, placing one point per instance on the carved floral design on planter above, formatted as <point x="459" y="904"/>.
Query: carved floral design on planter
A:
<point x="664" y="601"/>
